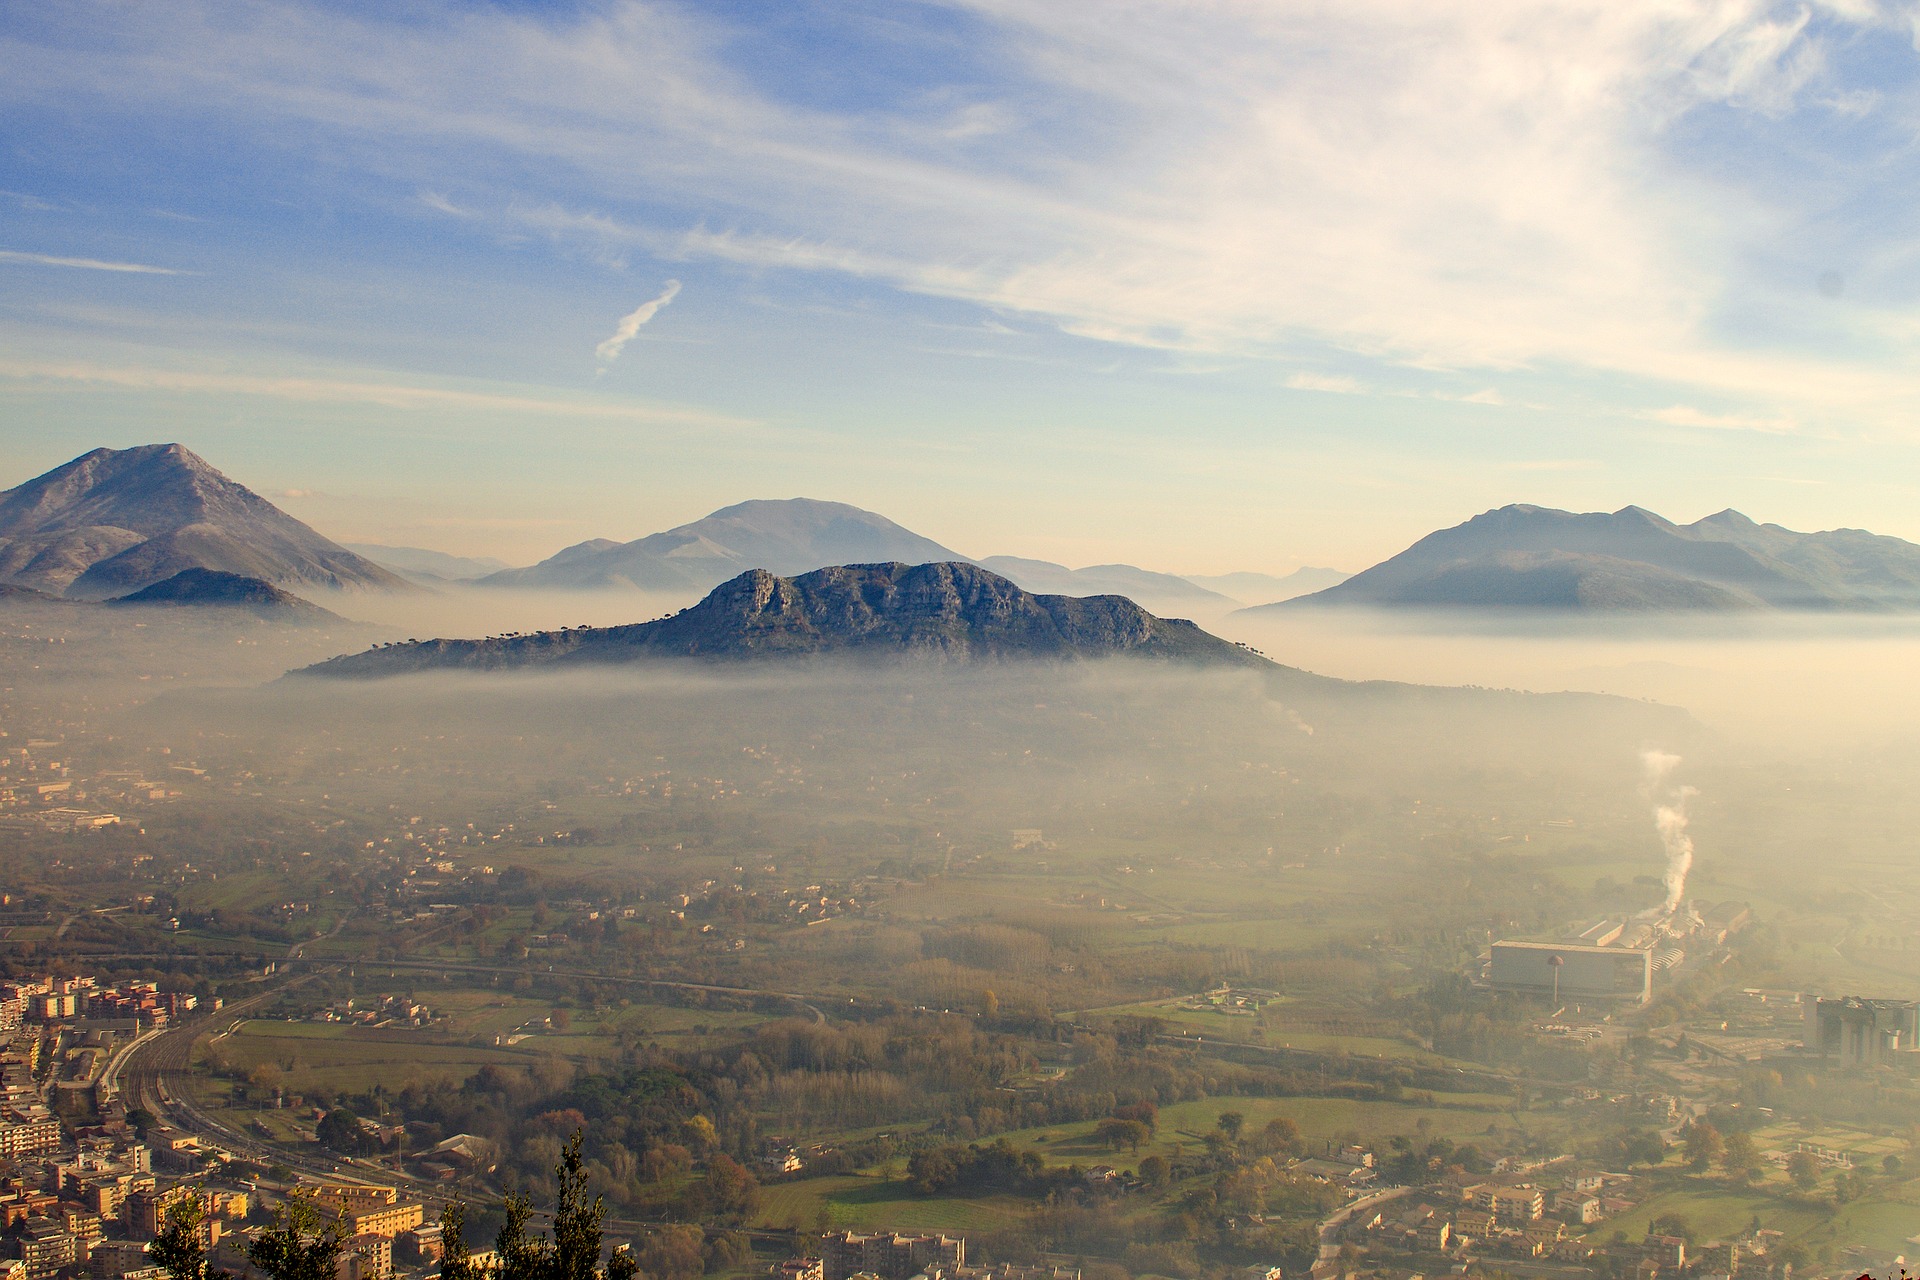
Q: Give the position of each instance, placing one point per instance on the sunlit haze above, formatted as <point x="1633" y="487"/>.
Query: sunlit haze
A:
<point x="959" y="640"/>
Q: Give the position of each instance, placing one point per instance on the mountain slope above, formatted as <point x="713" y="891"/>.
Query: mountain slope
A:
<point x="1631" y="559"/>
<point x="1267" y="588"/>
<point x="954" y="611"/>
<point x="1102" y="580"/>
<point x="210" y="588"/>
<point x="115" y="520"/>
<point x="785" y="536"/>
<point x="420" y="564"/>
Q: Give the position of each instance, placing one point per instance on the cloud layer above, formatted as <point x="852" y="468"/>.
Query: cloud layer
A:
<point x="1622" y="188"/>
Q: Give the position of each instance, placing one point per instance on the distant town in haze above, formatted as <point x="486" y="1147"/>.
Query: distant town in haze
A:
<point x="959" y="640"/>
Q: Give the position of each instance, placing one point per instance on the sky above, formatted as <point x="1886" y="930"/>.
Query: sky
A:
<point x="1206" y="286"/>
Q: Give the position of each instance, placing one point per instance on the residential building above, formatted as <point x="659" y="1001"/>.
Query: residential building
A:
<point x="46" y="1247"/>
<point x="365" y="1257"/>
<point x="1524" y="1203"/>
<point x="1669" y="1253"/>
<point x="147" y="1210"/>
<point x="1577" y="1207"/>
<point x="27" y="1129"/>
<point x="891" y="1256"/>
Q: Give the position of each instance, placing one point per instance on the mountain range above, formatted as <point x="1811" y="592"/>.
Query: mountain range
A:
<point x="952" y="611"/>
<point x="794" y="535"/>
<point x="781" y="537"/>
<point x="1633" y="560"/>
<point x="114" y="521"/>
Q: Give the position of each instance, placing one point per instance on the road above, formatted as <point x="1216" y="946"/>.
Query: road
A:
<point x="1330" y="1226"/>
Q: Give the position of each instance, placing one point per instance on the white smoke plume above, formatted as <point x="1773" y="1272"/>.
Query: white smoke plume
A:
<point x="1670" y="818"/>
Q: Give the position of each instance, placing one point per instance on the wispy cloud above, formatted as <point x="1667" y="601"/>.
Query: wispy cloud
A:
<point x="84" y="264"/>
<point x="609" y="351"/>
<point x="347" y="390"/>
<point x="441" y="204"/>
<point x="1334" y="383"/>
<point x="1685" y="415"/>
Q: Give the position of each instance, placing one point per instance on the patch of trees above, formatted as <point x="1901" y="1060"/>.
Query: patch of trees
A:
<point x="980" y="1170"/>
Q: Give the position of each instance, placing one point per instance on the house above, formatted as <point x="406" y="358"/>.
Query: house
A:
<point x="1667" y="1252"/>
<point x="1577" y="1207"/>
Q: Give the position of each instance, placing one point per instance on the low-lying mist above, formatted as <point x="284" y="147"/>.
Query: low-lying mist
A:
<point x="1781" y="683"/>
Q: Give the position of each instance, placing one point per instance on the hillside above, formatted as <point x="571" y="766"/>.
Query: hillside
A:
<point x="116" y="520"/>
<point x="953" y="611"/>
<point x="427" y="567"/>
<point x="1524" y="557"/>
<point x="1267" y="588"/>
<point x="787" y="536"/>
<point x="212" y="589"/>
<point x="1143" y="585"/>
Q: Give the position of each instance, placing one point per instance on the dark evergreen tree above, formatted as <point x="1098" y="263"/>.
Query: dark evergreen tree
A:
<point x="299" y="1245"/>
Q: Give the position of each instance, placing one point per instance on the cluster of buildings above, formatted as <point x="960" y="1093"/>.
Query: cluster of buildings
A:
<point x="1539" y="1222"/>
<point x="381" y="1011"/>
<point x="38" y="785"/>
<point x="891" y="1255"/>
<point x="83" y="998"/>
<point x="91" y="1206"/>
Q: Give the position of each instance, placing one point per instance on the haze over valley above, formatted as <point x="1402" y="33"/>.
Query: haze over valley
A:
<point x="967" y="640"/>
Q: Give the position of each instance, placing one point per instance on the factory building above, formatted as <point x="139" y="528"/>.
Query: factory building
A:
<point x="1572" y="971"/>
<point x="1861" y="1032"/>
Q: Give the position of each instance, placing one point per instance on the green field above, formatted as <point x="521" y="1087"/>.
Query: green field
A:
<point x="351" y="1059"/>
<point x="873" y="1202"/>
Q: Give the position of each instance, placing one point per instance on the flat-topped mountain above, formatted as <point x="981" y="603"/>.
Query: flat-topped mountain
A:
<point x="212" y="589"/>
<point x="116" y="520"/>
<point x="952" y="611"/>
<point x="1632" y="559"/>
<point x="786" y="536"/>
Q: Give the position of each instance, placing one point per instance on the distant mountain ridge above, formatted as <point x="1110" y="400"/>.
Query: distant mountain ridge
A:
<point x="783" y="536"/>
<point x="1633" y="560"/>
<point x="1267" y="588"/>
<point x="788" y="536"/>
<point x="1045" y="577"/>
<point x="420" y="564"/>
<point x="952" y="611"/>
<point x="117" y="520"/>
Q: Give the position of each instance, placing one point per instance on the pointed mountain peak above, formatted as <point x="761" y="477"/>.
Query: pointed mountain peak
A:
<point x="1728" y="519"/>
<point x="114" y="521"/>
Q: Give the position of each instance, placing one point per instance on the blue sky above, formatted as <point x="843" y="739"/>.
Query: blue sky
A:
<point x="1200" y="286"/>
